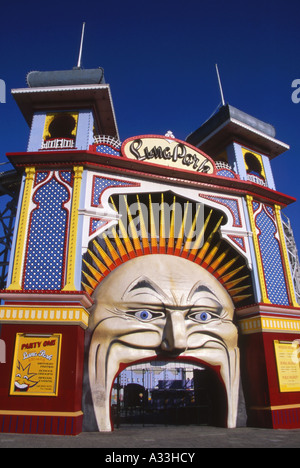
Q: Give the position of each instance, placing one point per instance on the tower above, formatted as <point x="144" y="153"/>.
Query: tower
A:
<point x="269" y="333"/>
<point x="148" y="250"/>
<point x="243" y="142"/>
<point x="45" y="312"/>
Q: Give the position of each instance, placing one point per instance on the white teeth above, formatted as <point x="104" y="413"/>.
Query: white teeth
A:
<point x="20" y="386"/>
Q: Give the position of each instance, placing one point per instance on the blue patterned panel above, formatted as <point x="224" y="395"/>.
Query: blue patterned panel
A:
<point x="100" y="184"/>
<point x="271" y="257"/>
<point x="40" y="177"/>
<point x="231" y="204"/>
<point x="47" y="239"/>
<point x="226" y="173"/>
<point x="106" y="149"/>
<point x="66" y="176"/>
<point x="96" y="224"/>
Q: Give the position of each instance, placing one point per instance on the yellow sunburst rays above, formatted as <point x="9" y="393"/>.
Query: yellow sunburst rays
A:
<point x="144" y="232"/>
<point x="230" y="284"/>
<point x="227" y="278"/>
<point x="189" y="240"/>
<point x="133" y="231"/>
<point x="205" y="255"/>
<point x="180" y="237"/>
<point x="152" y="238"/>
<point x="199" y="241"/>
<point x="171" y="241"/>
<point x="208" y="244"/>
<point x="162" y="227"/>
<point x="153" y="233"/>
<point x="124" y="234"/>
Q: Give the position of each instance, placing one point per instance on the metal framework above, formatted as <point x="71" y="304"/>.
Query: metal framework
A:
<point x="293" y="254"/>
<point x="107" y="140"/>
<point x="9" y="192"/>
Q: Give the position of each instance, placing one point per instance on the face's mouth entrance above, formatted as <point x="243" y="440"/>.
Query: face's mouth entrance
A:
<point x="169" y="393"/>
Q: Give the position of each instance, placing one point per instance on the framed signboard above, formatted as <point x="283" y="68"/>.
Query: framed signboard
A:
<point x="288" y="366"/>
<point x="168" y="152"/>
<point x="36" y="365"/>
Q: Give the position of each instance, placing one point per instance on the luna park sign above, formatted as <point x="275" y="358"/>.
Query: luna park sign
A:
<point x="167" y="152"/>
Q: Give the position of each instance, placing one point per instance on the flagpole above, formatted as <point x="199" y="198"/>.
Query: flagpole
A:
<point x="81" y="44"/>
<point x="220" y="86"/>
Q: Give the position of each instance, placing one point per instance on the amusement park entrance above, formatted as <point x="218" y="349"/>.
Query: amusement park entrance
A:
<point x="168" y="393"/>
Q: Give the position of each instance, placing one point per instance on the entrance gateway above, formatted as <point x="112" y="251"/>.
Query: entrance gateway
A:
<point x="169" y="393"/>
<point x="149" y="280"/>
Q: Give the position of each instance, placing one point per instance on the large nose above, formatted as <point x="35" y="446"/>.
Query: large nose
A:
<point x="174" y="337"/>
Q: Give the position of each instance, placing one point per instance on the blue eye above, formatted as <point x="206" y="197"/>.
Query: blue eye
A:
<point x="203" y="317"/>
<point x="143" y="315"/>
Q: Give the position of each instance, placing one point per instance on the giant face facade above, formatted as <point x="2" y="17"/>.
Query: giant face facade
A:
<point x="159" y="305"/>
<point x="159" y="295"/>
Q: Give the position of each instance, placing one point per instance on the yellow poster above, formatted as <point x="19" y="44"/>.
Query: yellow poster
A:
<point x="288" y="367"/>
<point x="36" y="365"/>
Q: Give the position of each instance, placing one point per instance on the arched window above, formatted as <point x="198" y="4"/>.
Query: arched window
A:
<point x="62" y="126"/>
<point x="60" y="131"/>
<point x="254" y="166"/>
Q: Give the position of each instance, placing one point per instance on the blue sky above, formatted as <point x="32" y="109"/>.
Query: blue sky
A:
<point x="159" y="59"/>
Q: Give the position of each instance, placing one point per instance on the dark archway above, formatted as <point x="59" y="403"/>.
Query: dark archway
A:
<point x="62" y="127"/>
<point x="254" y="165"/>
<point x="169" y="393"/>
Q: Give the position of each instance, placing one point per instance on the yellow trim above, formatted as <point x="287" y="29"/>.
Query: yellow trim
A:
<point x="274" y="408"/>
<point x="58" y="315"/>
<point x="74" y="414"/>
<point x="22" y="231"/>
<point x="269" y="324"/>
<point x="70" y="282"/>
<point x="262" y="282"/>
<point x="285" y="257"/>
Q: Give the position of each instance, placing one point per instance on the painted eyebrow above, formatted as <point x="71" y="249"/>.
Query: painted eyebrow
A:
<point x="201" y="288"/>
<point x="145" y="283"/>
